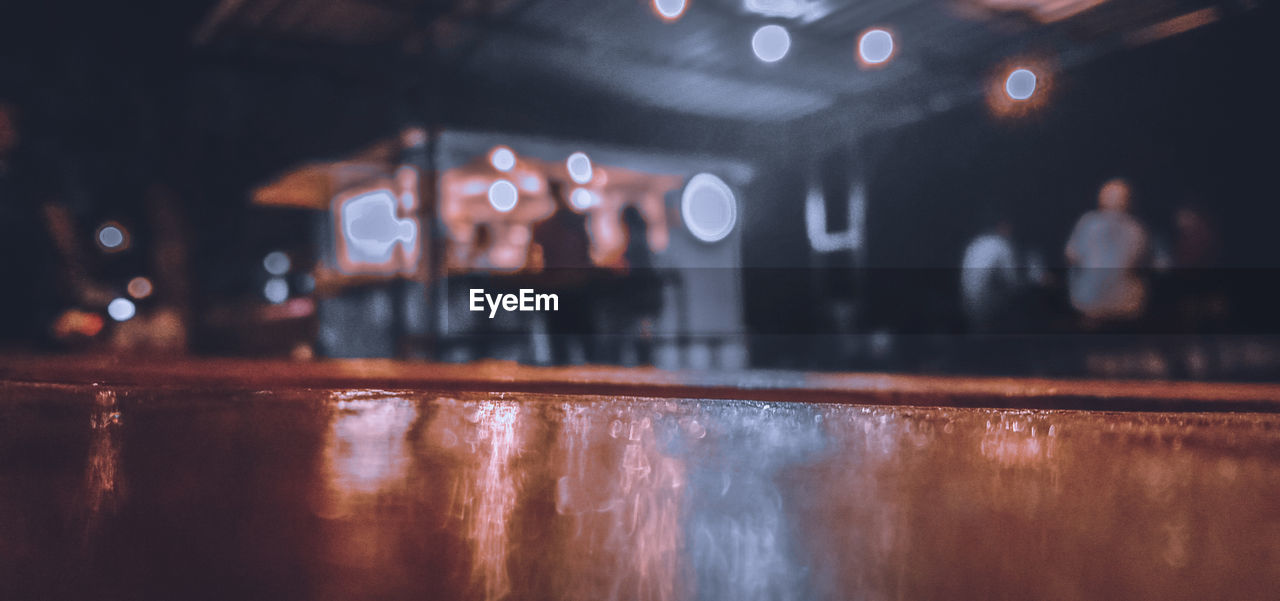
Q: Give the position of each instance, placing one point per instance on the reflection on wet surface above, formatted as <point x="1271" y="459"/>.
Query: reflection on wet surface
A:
<point x="485" y="439"/>
<point x="618" y="495"/>
<point x="137" y="494"/>
<point x="101" y="477"/>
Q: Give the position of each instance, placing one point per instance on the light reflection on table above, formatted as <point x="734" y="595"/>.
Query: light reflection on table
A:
<point x="369" y="494"/>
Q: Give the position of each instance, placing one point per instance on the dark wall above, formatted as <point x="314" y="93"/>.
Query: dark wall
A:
<point x="1188" y="119"/>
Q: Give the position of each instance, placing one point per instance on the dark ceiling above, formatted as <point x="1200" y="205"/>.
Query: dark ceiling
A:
<point x="702" y="64"/>
<point x="602" y="70"/>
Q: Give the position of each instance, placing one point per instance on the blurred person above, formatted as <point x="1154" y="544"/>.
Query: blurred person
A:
<point x="638" y="255"/>
<point x="634" y="300"/>
<point x="988" y="276"/>
<point x="1196" y="244"/>
<point x="1201" y="300"/>
<point x="477" y="252"/>
<point x="566" y="261"/>
<point x="1104" y="252"/>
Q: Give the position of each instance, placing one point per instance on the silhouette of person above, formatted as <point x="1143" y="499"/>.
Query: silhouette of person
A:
<point x="566" y="261"/>
<point x="636" y="300"/>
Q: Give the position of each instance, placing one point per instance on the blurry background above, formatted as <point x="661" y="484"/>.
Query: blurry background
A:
<point x="711" y="184"/>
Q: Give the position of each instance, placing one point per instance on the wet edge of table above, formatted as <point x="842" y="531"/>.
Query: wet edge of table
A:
<point x="493" y="377"/>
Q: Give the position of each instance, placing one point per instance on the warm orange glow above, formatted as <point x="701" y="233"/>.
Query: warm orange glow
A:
<point x="466" y="210"/>
<point x="869" y="45"/>
<point x="1043" y="11"/>
<point x="506" y="244"/>
<point x="998" y="97"/>
<point x="669" y="10"/>
<point x="75" y="322"/>
<point x="478" y="235"/>
<point x="308" y="187"/>
<point x="615" y="189"/>
<point x="1171" y="27"/>
<point x="313" y="185"/>
<point x="139" y="287"/>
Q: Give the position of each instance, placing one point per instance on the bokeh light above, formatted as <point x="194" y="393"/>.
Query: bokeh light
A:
<point x="112" y="237"/>
<point x="502" y="159"/>
<point x="1020" y="84"/>
<point x="121" y="309"/>
<point x="708" y="207"/>
<point x="771" y="43"/>
<point x="669" y="10"/>
<point x="139" y="287"/>
<point x="276" y="263"/>
<point x="503" y="195"/>
<point x="581" y="198"/>
<point x="371" y="229"/>
<point x="875" y="47"/>
<point x="276" y="290"/>
<point x="531" y="183"/>
<point x="579" y="166"/>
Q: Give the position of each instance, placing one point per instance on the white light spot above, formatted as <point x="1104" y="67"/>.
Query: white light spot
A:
<point x="503" y="195"/>
<point x="110" y="236"/>
<point x="771" y="43"/>
<point x="502" y="159"/>
<point x="582" y="198"/>
<point x="367" y="448"/>
<point x="276" y="290"/>
<point x="708" y="207"/>
<point x="876" y="46"/>
<point x="579" y="168"/>
<point x="371" y="228"/>
<point x="121" y="309"/>
<point x="1021" y="84"/>
<point x="276" y="263"/>
<point x="530" y="183"/>
<point x="669" y="10"/>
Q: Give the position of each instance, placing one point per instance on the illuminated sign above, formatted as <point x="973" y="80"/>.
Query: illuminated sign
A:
<point x="374" y="235"/>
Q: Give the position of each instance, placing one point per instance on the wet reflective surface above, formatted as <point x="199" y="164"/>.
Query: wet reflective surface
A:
<point x="137" y="493"/>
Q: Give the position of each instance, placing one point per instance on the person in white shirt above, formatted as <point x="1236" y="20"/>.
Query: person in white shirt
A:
<point x="1104" y="252"/>
<point x="988" y="277"/>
